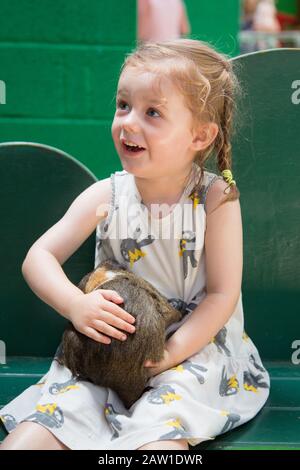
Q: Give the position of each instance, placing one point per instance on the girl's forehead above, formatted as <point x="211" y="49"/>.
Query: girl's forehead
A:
<point x="133" y="81"/>
<point x="148" y="85"/>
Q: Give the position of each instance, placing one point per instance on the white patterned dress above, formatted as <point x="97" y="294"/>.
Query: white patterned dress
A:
<point x="217" y="389"/>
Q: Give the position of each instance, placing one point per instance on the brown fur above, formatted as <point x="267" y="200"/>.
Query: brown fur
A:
<point x="120" y="365"/>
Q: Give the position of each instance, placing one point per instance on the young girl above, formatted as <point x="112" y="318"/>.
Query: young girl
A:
<point x="174" y="108"/>
<point x="158" y="21"/>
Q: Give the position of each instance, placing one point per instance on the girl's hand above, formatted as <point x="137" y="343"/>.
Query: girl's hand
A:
<point x="97" y="316"/>
<point x="158" y="367"/>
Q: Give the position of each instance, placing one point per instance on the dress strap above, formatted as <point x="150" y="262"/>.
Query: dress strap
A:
<point x="211" y="179"/>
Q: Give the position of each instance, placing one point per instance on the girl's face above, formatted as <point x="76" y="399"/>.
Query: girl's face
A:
<point x="159" y="122"/>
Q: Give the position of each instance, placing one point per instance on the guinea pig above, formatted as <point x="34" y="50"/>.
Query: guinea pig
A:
<point x="120" y="364"/>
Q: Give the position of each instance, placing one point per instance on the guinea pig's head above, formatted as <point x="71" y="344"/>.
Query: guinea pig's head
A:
<point x="100" y="275"/>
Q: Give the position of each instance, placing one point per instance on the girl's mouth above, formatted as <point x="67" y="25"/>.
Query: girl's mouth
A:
<point x="128" y="150"/>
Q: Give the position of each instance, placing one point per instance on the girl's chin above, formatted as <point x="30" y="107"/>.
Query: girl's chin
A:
<point x="129" y="162"/>
<point x="134" y="168"/>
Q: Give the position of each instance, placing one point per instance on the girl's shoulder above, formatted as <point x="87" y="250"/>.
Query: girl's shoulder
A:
<point x="212" y="186"/>
<point x="210" y="178"/>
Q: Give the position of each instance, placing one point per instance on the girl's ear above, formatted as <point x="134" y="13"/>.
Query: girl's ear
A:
<point x="204" y="136"/>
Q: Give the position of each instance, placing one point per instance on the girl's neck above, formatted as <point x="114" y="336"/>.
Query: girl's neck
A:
<point x="163" y="190"/>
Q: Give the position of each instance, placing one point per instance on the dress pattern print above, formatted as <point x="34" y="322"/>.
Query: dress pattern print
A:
<point x="217" y="389"/>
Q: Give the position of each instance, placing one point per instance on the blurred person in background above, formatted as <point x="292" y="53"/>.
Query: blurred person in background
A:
<point x="248" y="10"/>
<point x="162" y="20"/>
<point x="265" y="17"/>
<point x="265" y="20"/>
<point x="260" y="16"/>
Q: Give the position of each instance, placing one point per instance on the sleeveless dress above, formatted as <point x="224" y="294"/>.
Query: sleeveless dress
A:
<point x="217" y="389"/>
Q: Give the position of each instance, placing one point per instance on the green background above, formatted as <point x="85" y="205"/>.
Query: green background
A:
<point x="60" y="62"/>
<point x="287" y="6"/>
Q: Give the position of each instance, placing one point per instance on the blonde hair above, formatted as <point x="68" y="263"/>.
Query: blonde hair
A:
<point x="207" y="80"/>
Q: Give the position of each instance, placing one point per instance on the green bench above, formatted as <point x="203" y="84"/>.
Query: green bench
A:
<point x="38" y="184"/>
<point x="266" y="166"/>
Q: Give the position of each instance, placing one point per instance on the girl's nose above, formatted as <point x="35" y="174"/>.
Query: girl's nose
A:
<point x="130" y="123"/>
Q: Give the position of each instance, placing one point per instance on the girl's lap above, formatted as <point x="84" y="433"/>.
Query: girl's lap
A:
<point x="31" y="436"/>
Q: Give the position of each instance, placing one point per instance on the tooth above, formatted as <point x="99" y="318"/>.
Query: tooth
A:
<point x="131" y="145"/>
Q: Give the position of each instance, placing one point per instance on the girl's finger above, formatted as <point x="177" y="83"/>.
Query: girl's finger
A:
<point x="96" y="336"/>
<point x="109" y="330"/>
<point x="111" y="295"/>
<point x="116" y="322"/>
<point x="149" y="364"/>
<point x="118" y="311"/>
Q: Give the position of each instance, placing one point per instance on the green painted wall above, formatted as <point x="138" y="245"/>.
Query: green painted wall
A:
<point x="60" y="62"/>
<point x="215" y="21"/>
<point x="287" y="6"/>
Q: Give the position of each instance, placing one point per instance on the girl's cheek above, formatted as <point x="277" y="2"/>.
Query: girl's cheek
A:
<point x="114" y="130"/>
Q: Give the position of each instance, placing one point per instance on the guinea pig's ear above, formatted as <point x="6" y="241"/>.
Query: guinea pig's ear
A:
<point x="83" y="282"/>
<point x="96" y="279"/>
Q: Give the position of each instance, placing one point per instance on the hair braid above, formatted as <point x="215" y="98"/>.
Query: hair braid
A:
<point x="223" y="147"/>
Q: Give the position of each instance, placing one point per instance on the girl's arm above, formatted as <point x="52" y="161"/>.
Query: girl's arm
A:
<point x="42" y="265"/>
<point x="185" y="27"/>
<point x="224" y="266"/>
<point x="144" y="11"/>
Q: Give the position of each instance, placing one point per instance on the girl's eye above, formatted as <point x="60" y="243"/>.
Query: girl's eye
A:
<point x="152" y="109"/>
<point x="121" y="103"/>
